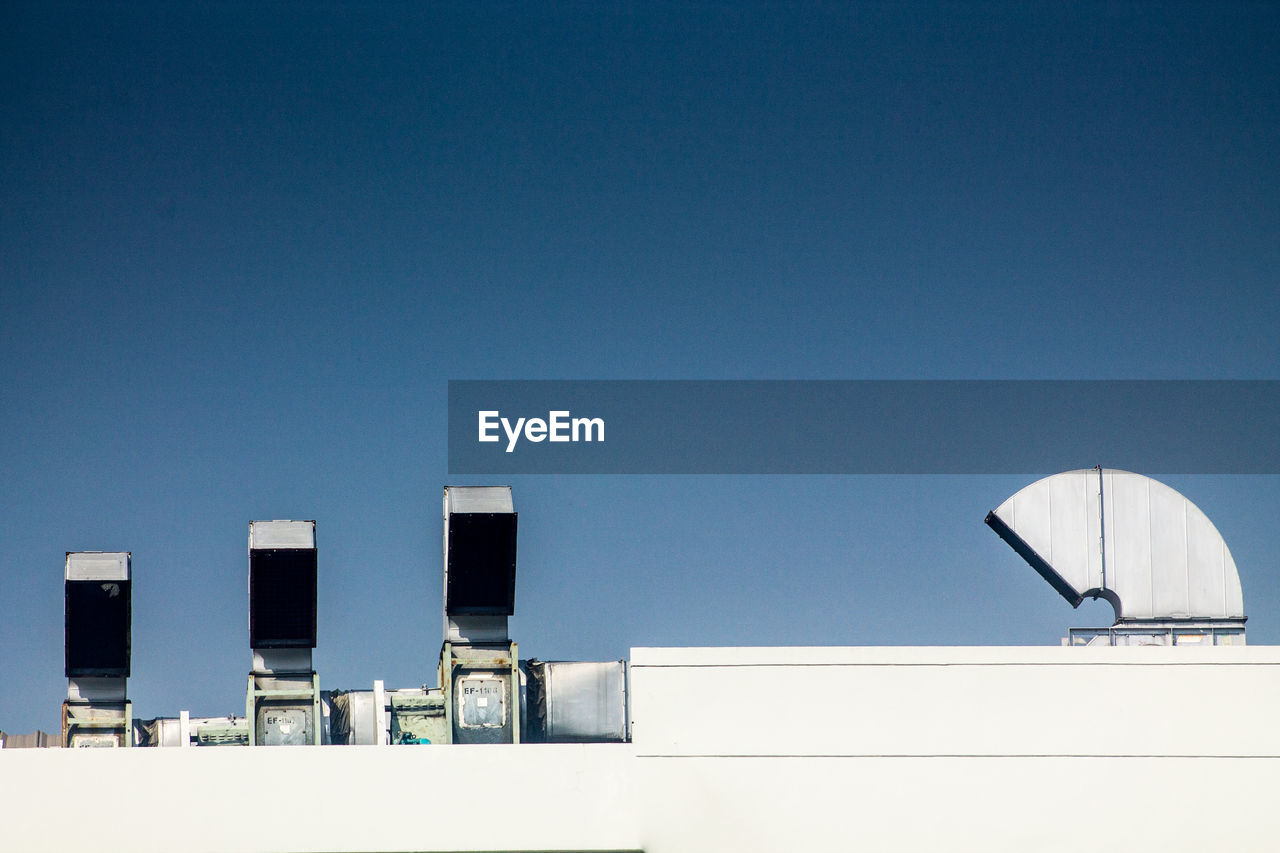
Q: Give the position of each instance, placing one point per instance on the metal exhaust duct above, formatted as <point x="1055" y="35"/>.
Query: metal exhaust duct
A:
<point x="282" y="584"/>
<point x="98" y="611"/>
<point x="479" y="666"/>
<point x="479" y="562"/>
<point x="283" y="700"/>
<point x="1135" y="542"/>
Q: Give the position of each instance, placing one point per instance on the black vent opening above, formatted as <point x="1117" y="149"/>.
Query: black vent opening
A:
<point x="282" y="598"/>
<point x="482" y="563"/>
<point x="97" y="628"/>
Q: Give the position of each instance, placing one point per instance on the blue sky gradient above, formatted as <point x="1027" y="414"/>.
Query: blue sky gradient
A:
<point x="243" y="247"/>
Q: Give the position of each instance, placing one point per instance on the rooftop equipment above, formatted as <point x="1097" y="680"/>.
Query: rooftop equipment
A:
<point x="479" y="667"/>
<point x="486" y="694"/>
<point x="283" y="700"/>
<point x="577" y="701"/>
<point x="98" y="610"/>
<point x="379" y="716"/>
<point x="1135" y="542"/>
<point x="185" y="731"/>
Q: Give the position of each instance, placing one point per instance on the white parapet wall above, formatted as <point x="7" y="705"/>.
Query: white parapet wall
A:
<point x="957" y="749"/>
<point x="318" y="799"/>
<point x="773" y="749"/>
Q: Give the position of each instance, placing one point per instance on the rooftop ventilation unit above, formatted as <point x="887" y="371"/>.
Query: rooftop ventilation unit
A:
<point x="186" y="731"/>
<point x="282" y="584"/>
<point x="380" y="716"/>
<point x="98" y="597"/>
<point x="283" y="700"/>
<point x="479" y="668"/>
<point x="479" y="562"/>
<point x="1135" y="542"/>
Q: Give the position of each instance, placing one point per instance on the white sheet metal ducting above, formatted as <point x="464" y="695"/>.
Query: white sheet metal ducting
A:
<point x="282" y="661"/>
<point x="173" y="732"/>
<point x="477" y="499"/>
<point x="88" y="688"/>
<point x="354" y="718"/>
<point x="98" y="566"/>
<point x="578" y="701"/>
<point x="1126" y="538"/>
<point x="282" y="534"/>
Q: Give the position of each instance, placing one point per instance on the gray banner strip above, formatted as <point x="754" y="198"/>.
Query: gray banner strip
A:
<point x="863" y="427"/>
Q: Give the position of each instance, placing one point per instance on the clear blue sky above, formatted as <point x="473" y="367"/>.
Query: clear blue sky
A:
<point x="244" y="246"/>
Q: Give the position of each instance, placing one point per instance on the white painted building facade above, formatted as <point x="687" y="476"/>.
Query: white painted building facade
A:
<point x="764" y="749"/>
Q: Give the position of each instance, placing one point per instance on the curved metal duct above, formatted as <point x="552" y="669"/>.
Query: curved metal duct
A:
<point x="1105" y="533"/>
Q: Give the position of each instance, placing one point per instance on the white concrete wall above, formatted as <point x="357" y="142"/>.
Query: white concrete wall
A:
<point x="915" y="749"/>
<point x="958" y="749"/>
<point x="318" y="798"/>
<point x="1157" y="701"/>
